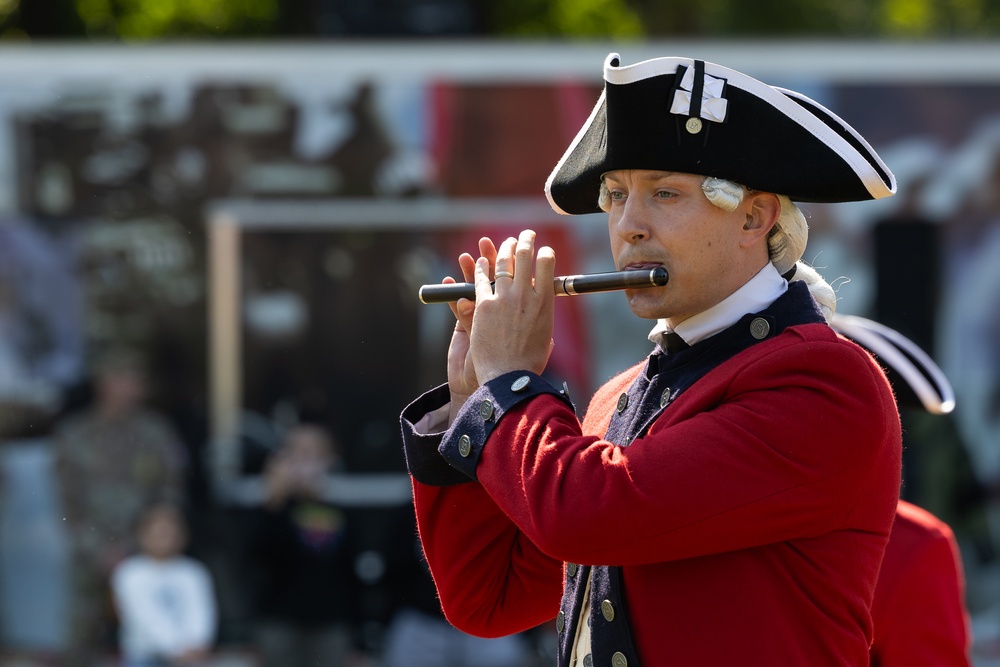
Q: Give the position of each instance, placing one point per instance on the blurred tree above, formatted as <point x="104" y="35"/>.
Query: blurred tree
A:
<point x="820" y="18"/>
<point x="570" y="18"/>
<point x="941" y="18"/>
<point x="20" y="19"/>
<point x="150" y="19"/>
<point x="138" y="20"/>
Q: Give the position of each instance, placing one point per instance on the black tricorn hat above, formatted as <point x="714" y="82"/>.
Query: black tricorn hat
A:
<point x="916" y="379"/>
<point x="696" y="117"/>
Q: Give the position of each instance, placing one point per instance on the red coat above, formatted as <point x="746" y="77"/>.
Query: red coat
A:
<point x="750" y="522"/>
<point x="919" y="610"/>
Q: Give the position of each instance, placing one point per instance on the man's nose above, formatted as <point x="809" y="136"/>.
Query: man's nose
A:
<point x="633" y="224"/>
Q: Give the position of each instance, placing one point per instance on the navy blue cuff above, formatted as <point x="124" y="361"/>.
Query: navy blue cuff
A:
<point x="421" y="450"/>
<point x="463" y="443"/>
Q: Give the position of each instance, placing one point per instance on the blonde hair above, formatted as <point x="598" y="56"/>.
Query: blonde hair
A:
<point x="785" y="243"/>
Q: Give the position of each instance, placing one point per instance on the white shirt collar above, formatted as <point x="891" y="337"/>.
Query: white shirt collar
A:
<point x="756" y="294"/>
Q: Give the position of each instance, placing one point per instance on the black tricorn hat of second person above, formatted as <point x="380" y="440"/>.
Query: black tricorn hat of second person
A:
<point x="696" y="117"/>
<point x="916" y="379"/>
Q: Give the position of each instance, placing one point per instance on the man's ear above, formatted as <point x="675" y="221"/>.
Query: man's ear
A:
<point x="763" y="209"/>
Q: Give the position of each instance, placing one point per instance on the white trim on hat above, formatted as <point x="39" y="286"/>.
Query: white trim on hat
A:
<point x="876" y="179"/>
<point x="569" y="151"/>
<point x="777" y="98"/>
<point x="886" y="343"/>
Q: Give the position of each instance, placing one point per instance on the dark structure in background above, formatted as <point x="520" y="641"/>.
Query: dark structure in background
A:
<point x="937" y="471"/>
<point x="908" y="276"/>
<point x="388" y="18"/>
<point x="130" y="198"/>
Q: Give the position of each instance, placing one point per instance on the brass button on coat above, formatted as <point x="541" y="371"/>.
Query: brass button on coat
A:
<point x="665" y="397"/>
<point x="486" y="410"/>
<point x="465" y="445"/>
<point x="693" y="125"/>
<point x="622" y="403"/>
<point x="608" y="610"/>
<point x="619" y="660"/>
<point x="759" y="328"/>
<point x="560" y="621"/>
<point x="588" y="660"/>
<point x="571" y="569"/>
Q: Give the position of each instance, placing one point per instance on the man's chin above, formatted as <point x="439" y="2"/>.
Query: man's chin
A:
<point x="645" y="305"/>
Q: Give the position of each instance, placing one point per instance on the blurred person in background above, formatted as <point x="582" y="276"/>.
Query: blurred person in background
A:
<point x="113" y="458"/>
<point x="303" y="552"/>
<point x="919" y="612"/>
<point x="164" y="599"/>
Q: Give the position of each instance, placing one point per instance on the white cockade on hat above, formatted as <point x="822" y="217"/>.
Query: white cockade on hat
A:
<point x="713" y="104"/>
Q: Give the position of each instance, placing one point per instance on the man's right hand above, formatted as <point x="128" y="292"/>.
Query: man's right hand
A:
<point x="461" y="371"/>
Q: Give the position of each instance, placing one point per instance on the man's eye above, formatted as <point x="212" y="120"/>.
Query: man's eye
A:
<point x="665" y="194"/>
<point x="617" y="195"/>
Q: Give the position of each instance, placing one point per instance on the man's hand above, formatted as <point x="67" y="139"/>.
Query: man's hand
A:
<point x="462" y="379"/>
<point x="512" y="328"/>
<point x="279" y="481"/>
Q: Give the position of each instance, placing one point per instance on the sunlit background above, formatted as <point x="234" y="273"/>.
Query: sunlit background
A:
<point x="240" y="198"/>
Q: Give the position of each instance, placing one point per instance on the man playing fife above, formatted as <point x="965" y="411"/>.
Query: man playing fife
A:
<point x="727" y="501"/>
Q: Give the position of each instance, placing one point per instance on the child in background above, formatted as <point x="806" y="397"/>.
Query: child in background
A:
<point x="304" y="548"/>
<point x="165" y="600"/>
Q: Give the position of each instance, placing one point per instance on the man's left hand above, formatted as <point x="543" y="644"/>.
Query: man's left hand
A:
<point x="513" y="321"/>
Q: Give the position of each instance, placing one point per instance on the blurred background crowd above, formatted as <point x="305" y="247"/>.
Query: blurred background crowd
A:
<point x="233" y="491"/>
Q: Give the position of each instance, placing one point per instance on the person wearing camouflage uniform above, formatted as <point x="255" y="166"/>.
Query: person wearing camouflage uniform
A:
<point x="112" y="460"/>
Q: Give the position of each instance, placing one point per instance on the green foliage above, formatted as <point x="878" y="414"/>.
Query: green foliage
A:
<point x="939" y="18"/>
<point x="911" y="19"/>
<point x="151" y="19"/>
<point x="566" y="18"/>
<point x="137" y="20"/>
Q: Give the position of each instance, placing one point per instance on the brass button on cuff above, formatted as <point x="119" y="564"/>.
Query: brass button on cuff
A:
<point x="608" y="610"/>
<point x="486" y="410"/>
<point x="465" y="446"/>
<point x="520" y="383"/>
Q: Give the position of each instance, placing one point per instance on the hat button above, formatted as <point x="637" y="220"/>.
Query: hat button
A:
<point x="693" y="125"/>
